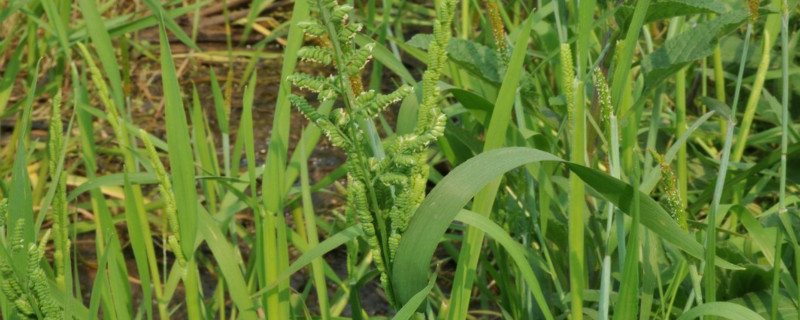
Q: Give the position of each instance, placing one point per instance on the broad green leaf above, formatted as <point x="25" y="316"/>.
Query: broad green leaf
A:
<point x="476" y="58"/>
<point x="668" y="9"/>
<point x="728" y="310"/>
<point x="687" y="47"/>
<point x="760" y="301"/>
<point x="480" y="108"/>
<point x="653" y="216"/>
<point x="720" y="107"/>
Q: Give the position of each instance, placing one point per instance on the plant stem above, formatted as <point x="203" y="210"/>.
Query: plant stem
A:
<point x="785" y="119"/>
<point x="680" y="129"/>
<point x="719" y="81"/>
<point x="752" y="100"/>
<point x="711" y="232"/>
<point x="776" y="273"/>
<point x="576" y="206"/>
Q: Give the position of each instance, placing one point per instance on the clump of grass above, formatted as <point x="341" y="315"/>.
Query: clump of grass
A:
<point x="384" y="187"/>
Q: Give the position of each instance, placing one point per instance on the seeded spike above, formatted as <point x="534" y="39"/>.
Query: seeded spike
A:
<point x="339" y="118"/>
<point x="604" y="96"/>
<point x="670" y="189"/>
<point x="165" y="186"/>
<point x="24" y="307"/>
<point x="313" y="28"/>
<point x="17" y="241"/>
<point x="3" y="212"/>
<point x="391" y="178"/>
<point x="568" y="74"/>
<point x="358" y="59"/>
<point x="339" y="13"/>
<point x="305" y="108"/>
<point x="348" y="32"/>
<point x="379" y="102"/>
<point x="309" y="82"/>
<point x="316" y="54"/>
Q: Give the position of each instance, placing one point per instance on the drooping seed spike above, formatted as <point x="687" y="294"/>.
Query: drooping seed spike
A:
<point x="358" y="59"/>
<point x="339" y="14"/>
<point x="3" y="212"/>
<point x="305" y="108"/>
<point x="316" y="54"/>
<point x="313" y="28"/>
<point x="379" y="102"/>
<point x="309" y="82"/>
<point x="349" y="32"/>
<point x="165" y="186"/>
<point x="391" y="178"/>
<point x="340" y="118"/>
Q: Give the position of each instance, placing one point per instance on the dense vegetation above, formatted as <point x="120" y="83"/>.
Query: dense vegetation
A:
<point x="491" y="159"/>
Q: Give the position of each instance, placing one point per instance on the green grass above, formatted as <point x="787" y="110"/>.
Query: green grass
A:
<point x="549" y="160"/>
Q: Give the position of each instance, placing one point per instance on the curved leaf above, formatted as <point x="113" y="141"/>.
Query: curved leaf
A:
<point x="441" y="206"/>
<point x="728" y="310"/>
<point x="760" y="302"/>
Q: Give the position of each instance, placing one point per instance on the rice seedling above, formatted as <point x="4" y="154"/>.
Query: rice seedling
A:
<point x="332" y="159"/>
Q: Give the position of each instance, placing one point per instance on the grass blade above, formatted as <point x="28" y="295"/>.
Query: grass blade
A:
<point x="180" y="152"/>
<point x="495" y="137"/>
<point x="728" y="310"/>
